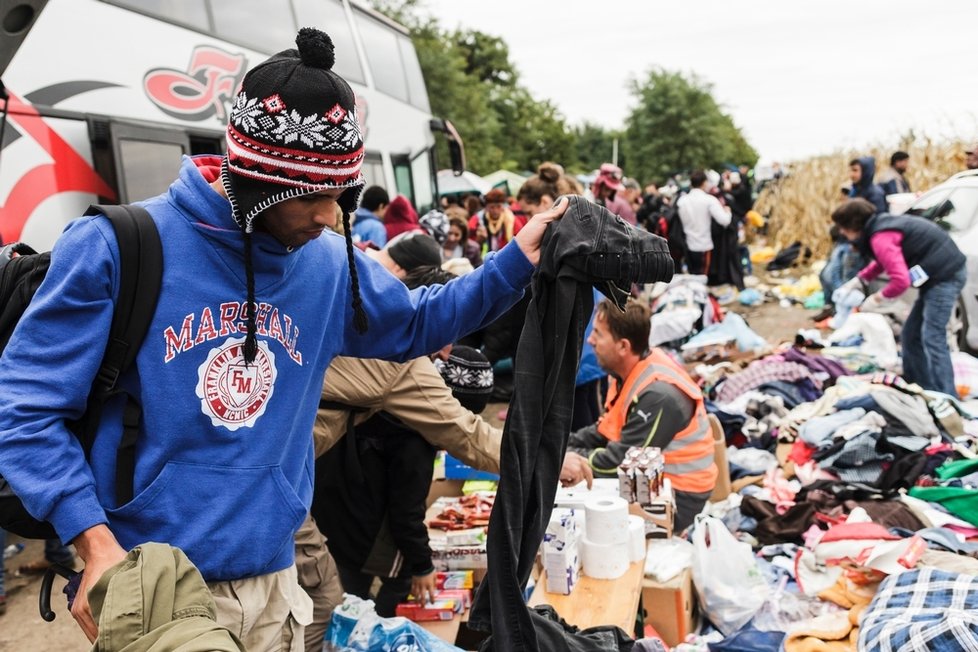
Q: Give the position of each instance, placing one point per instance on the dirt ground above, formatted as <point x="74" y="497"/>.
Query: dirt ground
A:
<point x="22" y="629"/>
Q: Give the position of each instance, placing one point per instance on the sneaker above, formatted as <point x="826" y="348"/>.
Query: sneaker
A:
<point x="3" y="604"/>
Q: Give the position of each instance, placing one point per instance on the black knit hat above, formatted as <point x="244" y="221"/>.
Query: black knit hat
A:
<point x="414" y="249"/>
<point x="293" y="131"/>
<point x="468" y="374"/>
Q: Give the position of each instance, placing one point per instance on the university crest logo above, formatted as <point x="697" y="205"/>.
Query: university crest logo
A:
<point x="231" y="394"/>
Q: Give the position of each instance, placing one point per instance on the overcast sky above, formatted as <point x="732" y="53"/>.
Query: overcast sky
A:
<point x="798" y="77"/>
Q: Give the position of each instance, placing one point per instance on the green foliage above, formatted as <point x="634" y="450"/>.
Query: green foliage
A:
<point x="472" y="82"/>
<point x="595" y="145"/>
<point x="531" y="131"/>
<point x="486" y="57"/>
<point x="678" y="126"/>
<point x="458" y="96"/>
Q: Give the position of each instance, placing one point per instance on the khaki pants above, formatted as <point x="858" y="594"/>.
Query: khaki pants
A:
<point x="320" y="580"/>
<point x="268" y="613"/>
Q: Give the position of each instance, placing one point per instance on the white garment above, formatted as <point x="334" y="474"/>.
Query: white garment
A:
<point x="696" y="209"/>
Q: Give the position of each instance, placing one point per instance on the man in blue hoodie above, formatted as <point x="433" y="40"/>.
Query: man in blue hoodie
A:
<point x="368" y="225"/>
<point x="861" y="173"/>
<point x="258" y="295"/>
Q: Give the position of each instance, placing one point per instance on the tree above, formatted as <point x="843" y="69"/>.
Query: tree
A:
<point x="458" y="96"/>
<point x="531" y="131"/>
<point x="677" y="126"/>
<point x="486" y="57"/>
<point x="595" y="145"/>
<point x="472" y="82"/>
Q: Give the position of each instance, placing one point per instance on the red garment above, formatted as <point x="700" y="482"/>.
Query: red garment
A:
<point x="400" y="217"/>
<point x="888" y="251"/>
<point x="801" y="452"/>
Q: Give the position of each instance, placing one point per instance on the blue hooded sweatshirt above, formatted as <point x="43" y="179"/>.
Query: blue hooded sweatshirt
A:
<point x="866" y="188"/>
<point x="224" y="461"/>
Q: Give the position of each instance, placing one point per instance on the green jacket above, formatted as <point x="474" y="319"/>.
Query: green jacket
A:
<point x="156" y="601"/>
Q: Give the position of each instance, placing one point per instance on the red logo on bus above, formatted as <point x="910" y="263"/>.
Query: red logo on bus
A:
<point x="200" y="92"/>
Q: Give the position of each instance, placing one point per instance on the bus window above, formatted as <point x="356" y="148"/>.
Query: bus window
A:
<point x="417" y="92"/>
<point x="144" y="161"/>
<point x="373" y="170"/>
<point x="192" y="14"/>
<point x="383" y="56"/>
<point x="402" y="177"/>
<point x="329" y="16"/>
<point x="264" y="25"/>
<point x="147" y="168"/>
<point x="424" y="191"/>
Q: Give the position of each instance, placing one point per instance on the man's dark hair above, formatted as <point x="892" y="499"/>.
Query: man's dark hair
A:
<point x="427" y="275"/>
<point x="853" y="214"/>
<point x="374" y="197"/>
<point x="697" y="178"/>
<point x="856" y="161"/>
<point x="899" y="156"/>
<point x="633" y="325"/>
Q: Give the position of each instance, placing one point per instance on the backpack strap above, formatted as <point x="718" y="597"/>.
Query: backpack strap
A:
<point x="140" y="278"/>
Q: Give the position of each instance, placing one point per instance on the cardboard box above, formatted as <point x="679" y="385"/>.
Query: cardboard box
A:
<point x="450" y="580"/>
<point x="437" y="610"/>
<point x="722" y="488"/>
<point x="668" y="606"/>
<point x="659" y="517"/>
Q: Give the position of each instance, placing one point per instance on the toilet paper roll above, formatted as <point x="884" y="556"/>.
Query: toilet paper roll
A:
<point x="604" y="561"/>
<point x="606" y="519"/>
<point x="636" y="538"/>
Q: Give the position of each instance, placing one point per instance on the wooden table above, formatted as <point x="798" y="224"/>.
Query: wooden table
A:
<point x="597" y="602"/>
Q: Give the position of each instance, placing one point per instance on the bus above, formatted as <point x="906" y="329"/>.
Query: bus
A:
<point x="100" y="98"/>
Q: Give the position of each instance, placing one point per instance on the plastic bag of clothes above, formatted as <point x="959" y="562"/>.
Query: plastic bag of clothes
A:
<point x="356" y="627"/>
<point x="728" y="580"/>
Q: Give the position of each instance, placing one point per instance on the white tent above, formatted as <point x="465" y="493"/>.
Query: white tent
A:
<point x="467" y="182"/>
<point x="510" y="182"/>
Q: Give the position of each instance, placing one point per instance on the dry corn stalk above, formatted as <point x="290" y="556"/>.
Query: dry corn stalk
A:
<point x="799" y="206"/>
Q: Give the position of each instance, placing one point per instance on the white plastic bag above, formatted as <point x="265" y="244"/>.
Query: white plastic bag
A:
<point x="728" y="581"/>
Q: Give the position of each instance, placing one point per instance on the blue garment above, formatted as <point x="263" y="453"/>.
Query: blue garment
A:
<point x="922" y="610"/>
<point x="843" y="264"/>
<point x="923" y="340"/>
<point x="865" y="187"/>
<point x="733" y="326"/>
<point x="368" y="228"/>
<point x="589" y="369"/>
<point x="224" y="460"/>
<point x="819" y="429"/>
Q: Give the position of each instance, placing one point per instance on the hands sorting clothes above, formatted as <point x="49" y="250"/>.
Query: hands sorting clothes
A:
<point x="876" y="302"/>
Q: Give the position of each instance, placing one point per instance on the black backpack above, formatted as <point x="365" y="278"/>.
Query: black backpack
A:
<point x="140" y="273"/>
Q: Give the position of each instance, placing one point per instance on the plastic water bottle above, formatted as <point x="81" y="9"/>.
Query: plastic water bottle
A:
<point x="12" y="550"/>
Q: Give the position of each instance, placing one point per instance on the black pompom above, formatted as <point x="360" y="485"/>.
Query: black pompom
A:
<point x="315" y="48"/>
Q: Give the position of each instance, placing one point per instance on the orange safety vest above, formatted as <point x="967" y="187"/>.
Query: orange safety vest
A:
<point x="688" y="458"/>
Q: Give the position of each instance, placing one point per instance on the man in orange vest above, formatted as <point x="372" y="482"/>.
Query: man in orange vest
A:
<point x="651" y="401"/>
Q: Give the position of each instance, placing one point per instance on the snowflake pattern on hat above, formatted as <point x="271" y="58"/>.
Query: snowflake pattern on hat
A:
<point x="268" y="121"/>
<point x="465" y="378"/>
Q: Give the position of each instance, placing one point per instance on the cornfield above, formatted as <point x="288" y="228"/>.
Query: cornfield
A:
<point x="799" y="205"/>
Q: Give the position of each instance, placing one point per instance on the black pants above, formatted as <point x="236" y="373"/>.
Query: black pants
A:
<point x="698" y="262"/>
<point x="393" y="590"/>
<point x="587" y="246"/>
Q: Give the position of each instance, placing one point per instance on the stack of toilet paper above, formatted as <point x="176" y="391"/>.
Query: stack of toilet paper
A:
<point x="612" y="539"/>
<point x="561" y="556"/>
